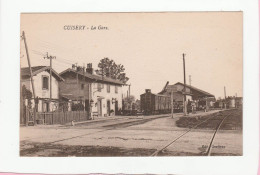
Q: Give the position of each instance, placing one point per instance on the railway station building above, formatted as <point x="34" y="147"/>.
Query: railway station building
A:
<point x="101" y="96"/>
<point x="46" y="101"/>
<point x="200" y="98"/>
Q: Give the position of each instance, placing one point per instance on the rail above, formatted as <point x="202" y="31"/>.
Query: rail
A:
<point x="180" y="136"/>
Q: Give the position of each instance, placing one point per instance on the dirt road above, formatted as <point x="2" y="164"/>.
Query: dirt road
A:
<point x="129" y="136"/>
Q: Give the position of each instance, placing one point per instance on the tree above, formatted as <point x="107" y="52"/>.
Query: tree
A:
<point x="27" y="94"/>
<point x="128" y="101"/>
<point x="110" y="69"/>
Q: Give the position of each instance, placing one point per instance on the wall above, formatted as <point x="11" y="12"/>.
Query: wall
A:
<point x="43" y="93"/>
<point x="107" y="96"/>
<point x="70" y="86"/>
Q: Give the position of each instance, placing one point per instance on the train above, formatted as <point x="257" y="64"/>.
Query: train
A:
<point x="161" y="104"/>
<point x="154" y="103"/>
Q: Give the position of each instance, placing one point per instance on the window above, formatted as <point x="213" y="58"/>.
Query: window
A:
<point x="82" y="86"/>
<point x="45" y="82"/>
<point x="99" y="87"/>
<point x="116" y="89"/>
<point x="45" y="107"/>
<point x="108" y="88"/>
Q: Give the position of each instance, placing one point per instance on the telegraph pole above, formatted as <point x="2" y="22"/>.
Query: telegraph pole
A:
<point x="190" y="79"/>
<point x="50" y="58"/>
<point x="84" y="102"/>
<point x="184" y="101"/>
<point x="225" y="97"/>
<point x="29" y="63"/>
<point x="129" y="89"/>
<point x="172" y="103"/>
<point x="225" y="92"/>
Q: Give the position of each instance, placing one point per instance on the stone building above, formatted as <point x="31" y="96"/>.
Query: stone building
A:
<point x="100" y="96"/>
<point x="47" y="100"/>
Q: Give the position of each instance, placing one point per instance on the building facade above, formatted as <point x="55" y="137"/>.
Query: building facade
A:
<point x="100" y="96"/>
<point x="46" y="99"/>
<point x="196" y="97"/>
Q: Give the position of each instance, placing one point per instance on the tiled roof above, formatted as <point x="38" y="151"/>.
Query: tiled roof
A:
<point x="196" y="89"/>
<point x="93" y="77"/>
<point x="25" y="71"/>
<point x="191" y="87"/>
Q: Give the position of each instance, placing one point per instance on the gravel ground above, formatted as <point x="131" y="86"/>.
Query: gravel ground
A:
<point x="131" y="139"/>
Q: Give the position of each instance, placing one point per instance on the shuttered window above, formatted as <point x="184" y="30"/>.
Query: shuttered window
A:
<point x="45" y="82"/>
<point x="108" y="88"/>
<point x="99" y="87"/>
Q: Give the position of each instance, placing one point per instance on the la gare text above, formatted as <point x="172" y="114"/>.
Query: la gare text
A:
<point x="83" y="27"/>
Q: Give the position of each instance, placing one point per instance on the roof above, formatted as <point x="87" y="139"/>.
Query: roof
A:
<point x="196" y="89"/>
<point x="25" y="71"/>
<point x="191" y="87"/>
<point x="93" y="77"/>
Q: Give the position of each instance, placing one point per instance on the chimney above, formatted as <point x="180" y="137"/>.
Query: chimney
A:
<point x="73" y="66"/>
<point x="147" y="90"/>
<point x="89" y="68"/>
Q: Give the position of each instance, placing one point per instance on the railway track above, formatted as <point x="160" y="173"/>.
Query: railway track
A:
<point x="208" y="152"/>
<point x="215" y="121"/>
<point x="113" y="126"/>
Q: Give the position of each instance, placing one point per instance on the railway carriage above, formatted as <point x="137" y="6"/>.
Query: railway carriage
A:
<point x="155" y="103"/>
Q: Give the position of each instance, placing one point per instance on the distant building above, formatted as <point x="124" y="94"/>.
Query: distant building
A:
<point x="239" y="101"/>
<point x="41" y="78"/>
<point x="234" y="102"/>
<point x="100" y="95"/>
<point x="192" y="94"/>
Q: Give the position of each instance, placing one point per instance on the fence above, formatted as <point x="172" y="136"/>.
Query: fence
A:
<point x="60" y="117"/>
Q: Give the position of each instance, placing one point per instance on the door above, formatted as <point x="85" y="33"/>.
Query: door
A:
<point x="108" y="107"/>
<point x="45" y="107"/>
<point x="87" y="107"/>
<point x="99" y="106"/>
<point x="116" y="108"/>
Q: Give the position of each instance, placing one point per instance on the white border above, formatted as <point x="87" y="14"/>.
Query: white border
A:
<point x="9" y="92"/>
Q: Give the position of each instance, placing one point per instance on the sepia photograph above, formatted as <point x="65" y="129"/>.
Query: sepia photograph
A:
<point x="138" y="84"/>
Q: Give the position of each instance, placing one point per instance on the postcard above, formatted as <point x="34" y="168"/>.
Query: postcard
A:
<point x="131" y="84"/>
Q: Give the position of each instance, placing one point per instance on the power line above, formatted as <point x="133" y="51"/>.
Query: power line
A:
<point x="49" y="46"/>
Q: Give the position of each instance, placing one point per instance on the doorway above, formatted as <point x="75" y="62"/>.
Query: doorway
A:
<point x="99" y="107"/>
<point x="87" y="106"/>
<point x="116" y="107"/>
<point x="108" y="107"/>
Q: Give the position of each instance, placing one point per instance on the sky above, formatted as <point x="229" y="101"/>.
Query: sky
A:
<point x="149" y="45"/>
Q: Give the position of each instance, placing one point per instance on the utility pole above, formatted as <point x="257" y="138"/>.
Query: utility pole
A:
<point x="172" y="103"/>
<point x="225" y="105"/>
<point x="129" y="89"/>
<point x="89" y="99"/>
<point x="225" y="92"/>
<point x="50" y="58"/>
<point x="84" y="69"/>
<point x="184" y="97"/>
<point x="29" y="63"/>
<point x="77" y="85"/>
<point x="190" y="79"/>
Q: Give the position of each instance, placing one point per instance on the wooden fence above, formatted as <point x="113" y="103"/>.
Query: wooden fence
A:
<point x="59" y="117"/>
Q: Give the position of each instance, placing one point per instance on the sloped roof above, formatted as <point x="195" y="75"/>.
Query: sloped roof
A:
<point x="196" y="89"/>
<point x="25" y="71"/>
<point x="93" y="77"/>
<point x="204" y="93"/>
